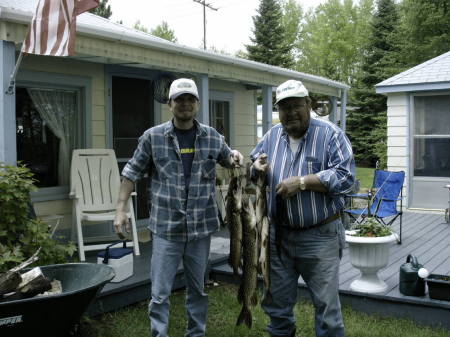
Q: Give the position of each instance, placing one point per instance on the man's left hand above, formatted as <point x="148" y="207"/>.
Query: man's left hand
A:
<point x="288" y="187"/>
<point x="236" y="158"/>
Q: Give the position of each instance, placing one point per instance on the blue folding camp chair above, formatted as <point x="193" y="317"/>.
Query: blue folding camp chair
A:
<point x="387" y="191"/>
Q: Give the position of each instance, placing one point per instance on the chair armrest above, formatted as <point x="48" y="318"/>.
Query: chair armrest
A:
<point x="386" y="199"/>
<point x="73" y="195"/>
<point x="358" y="195"/>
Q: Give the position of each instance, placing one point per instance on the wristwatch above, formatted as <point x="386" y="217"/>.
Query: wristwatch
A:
<point x="302" y="183"/>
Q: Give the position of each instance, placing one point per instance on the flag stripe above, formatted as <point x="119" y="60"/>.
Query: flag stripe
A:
<point x="53" y="27"/>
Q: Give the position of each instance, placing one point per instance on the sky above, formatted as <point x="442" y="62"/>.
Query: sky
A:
<point x="228" y="28"/>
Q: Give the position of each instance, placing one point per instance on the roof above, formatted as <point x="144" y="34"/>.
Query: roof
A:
<point x="433" y="74"/>
<point x="20" y="11"/>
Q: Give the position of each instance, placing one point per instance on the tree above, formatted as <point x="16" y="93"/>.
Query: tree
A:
<point x="103" y="9"/>
<point x="424" y="31"/>
<point x="291" y="21"/>
<point x="269" y="43"/>
<point x="138" y="26"/>
<point x="332" y="38"/>
<point x="367" y="124"/>
<point x="164" y="32"/>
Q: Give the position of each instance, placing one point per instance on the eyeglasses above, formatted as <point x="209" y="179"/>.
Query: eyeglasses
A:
<point x="292" y="106"/>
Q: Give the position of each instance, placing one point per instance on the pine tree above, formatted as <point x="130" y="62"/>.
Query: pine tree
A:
<point x="424" y="31"/>
<point x="269" y="41"/>
<point x="367" y="124"/>
<point x="103" y="9"/>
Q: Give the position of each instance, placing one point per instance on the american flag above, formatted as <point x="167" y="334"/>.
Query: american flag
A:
<point x="53" y="28"/>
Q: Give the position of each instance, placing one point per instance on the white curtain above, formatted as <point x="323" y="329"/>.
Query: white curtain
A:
<point x="58" y="109"/>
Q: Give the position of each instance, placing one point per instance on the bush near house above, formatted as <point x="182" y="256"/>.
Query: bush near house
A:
<point x="21" y="234"/>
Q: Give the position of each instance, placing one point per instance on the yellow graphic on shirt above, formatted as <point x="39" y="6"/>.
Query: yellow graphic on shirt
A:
<point x="187" y="150"/>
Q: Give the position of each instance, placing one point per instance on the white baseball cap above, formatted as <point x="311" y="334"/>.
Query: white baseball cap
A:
<point x="290" y="88"/>
<point x="182" y="86"/>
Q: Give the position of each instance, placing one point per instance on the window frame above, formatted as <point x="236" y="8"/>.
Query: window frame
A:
<point x="83" y="88"/>
<point x="225" y="96"/>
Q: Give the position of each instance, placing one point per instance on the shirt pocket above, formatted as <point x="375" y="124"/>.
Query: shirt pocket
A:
<point x="313" y="165"/>
<point x="209" y="169"/>
<point x="163" y="167"/>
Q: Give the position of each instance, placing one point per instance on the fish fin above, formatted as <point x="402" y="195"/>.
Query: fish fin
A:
<point x="254" y="299"/>
<point x="240" y="296"/>
<point x="245" y="317"/>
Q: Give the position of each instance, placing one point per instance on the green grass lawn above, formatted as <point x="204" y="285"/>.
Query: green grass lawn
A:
<point x="365" y="176"/>
<point x="222" y="314"/>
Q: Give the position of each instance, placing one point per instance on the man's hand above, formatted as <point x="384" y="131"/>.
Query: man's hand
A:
<point x="288" y="187"/>
<point x="261" y="164"/>
<point x="236" y="158"/>
<point x="121" y="224"/>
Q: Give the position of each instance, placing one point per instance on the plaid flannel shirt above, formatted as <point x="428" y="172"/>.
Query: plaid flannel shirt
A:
<point x="158" y="154"/>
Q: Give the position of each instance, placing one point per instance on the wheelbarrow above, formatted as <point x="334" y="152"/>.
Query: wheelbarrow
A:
<point x="55" y="315"/>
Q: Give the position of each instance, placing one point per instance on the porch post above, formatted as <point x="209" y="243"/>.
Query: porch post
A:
<point x="203" y="114"/>
<point x="333" y="112"/>
<point x="8" y="150"/>
<point x="267" y="108"/>
<point x="343" y="109"/>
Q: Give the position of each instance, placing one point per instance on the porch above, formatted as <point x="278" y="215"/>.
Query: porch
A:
<point x="425" y="235"/>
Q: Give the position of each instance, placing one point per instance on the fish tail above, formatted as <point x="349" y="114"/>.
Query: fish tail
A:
<point x="245" y="317"/>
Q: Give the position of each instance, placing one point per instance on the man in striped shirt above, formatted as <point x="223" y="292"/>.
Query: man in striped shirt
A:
<point x="180" y="157"/>
<point x="309" y="166"/>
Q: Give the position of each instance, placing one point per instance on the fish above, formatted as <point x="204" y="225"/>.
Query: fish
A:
<point x="248" y="291"/>
<point x="263" y="261"/>
<point x="233" y="210"/>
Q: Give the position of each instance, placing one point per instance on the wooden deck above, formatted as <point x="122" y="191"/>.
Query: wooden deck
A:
<point x="425" y="235"/>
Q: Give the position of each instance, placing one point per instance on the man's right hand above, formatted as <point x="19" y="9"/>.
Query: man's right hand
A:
<point x="261" y="164"/>
<point x="121" y="224"/>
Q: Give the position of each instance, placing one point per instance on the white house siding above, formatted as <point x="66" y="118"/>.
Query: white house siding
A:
<point x="397" y="135"/>
<point x="95" y="72"/>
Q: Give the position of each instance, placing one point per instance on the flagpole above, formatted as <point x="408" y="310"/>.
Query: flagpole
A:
<point x="12" y="79"/>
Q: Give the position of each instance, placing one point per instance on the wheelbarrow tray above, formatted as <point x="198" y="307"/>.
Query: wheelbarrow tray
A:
<point x="55" y="315"/>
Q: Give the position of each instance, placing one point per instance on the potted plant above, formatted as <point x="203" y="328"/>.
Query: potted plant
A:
<point x="369" y="243"/>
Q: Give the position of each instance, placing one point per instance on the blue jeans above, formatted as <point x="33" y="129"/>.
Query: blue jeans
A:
<point x="313" y="254"/>
<point x="165" y="260"/>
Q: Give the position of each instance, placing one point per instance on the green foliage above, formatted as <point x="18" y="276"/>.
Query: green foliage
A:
<point x="367" y="124"/>
<point x="138" y="26"/>
<point x="20" y="234"/>
<point x="332" y="39"/>
<point x="424" y="31"/>
<point x="371" y="228"/>
<point x="103" y="10"/>
<point x="164" y="32"/>
<point x="269" y="43"/>
<point x="291" y="21"/>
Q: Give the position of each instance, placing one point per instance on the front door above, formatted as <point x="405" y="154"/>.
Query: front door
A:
<point x="132" y="114"/>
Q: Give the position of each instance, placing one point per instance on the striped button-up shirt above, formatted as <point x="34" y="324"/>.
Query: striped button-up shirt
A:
<point x="325" y="151"/>
<point x="172" y="216"/>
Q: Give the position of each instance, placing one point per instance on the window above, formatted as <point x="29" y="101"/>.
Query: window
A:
<point x="219" y="117"/>
<point x="46" y="132"/>
<point x="432" y="136"/>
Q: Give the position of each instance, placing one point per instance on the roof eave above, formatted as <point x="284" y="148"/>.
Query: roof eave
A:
<point x="22" y="17"/>
<point x="392" y="88"/>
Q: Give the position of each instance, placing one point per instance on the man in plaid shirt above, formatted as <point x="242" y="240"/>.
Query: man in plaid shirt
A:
<point x="180" y="157"/>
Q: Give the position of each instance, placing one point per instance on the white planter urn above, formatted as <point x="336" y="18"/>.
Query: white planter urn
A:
<point x="369" y="255"/>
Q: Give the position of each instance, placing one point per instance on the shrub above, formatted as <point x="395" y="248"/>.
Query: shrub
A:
<point x="20" y="234"/>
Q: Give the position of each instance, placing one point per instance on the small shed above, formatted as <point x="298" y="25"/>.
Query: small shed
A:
<point x="418" y="130"/>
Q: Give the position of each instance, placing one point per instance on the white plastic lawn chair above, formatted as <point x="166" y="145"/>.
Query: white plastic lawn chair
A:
<point x="95" y="184"/>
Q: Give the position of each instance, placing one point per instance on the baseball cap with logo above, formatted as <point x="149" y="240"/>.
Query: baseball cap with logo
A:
<point x="290" y="88"/>
<point x="182" y="86"/>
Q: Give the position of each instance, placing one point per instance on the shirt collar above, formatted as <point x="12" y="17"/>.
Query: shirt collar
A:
<point x="169" y="128"/>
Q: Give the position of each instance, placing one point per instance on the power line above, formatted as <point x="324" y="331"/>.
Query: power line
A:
<point x="204" y="4"/>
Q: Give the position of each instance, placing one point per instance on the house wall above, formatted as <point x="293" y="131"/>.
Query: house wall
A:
<point x="397" y="137"/>
<point x="95" y="72"/>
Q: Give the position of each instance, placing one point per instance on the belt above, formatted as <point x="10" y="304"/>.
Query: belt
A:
<point x="323" y="222"/>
